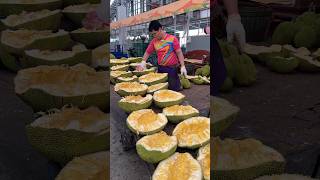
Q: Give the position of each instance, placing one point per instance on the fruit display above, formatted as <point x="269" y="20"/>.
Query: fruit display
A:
<point x="114" y="75"/>
<point x="39" y="20"/>
<point x="178" y="166"/>
<point x="64" y="134"/>
<point x="47" y="87"/>
<point x="124" y="67"/>
<point x="244" y="159"/>
<point x="90" y="166"/>
<point x="144" y="72"/>
<point x="114" y="62"/>
<point x="134" y="103"/>
<point x="146" y="122"/>
<point x="127" y="79"/>
<point x="222" y="114"/>
<point x="156" y="147"/>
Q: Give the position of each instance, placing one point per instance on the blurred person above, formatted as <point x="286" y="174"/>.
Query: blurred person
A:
<point x="97" y="18"/>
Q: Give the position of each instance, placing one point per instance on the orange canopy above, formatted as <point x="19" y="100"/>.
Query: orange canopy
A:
<point x="175" y="8"/>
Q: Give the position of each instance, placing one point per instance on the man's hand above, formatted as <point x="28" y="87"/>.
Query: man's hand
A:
<point x="235" y="31"/>
<point x="141" y="66"/>
<point x="183" y="71"/>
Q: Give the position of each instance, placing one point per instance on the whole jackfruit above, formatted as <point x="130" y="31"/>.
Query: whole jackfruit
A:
<point x="307" y="18"/>
<point x="245" y="70"/>
<point x="198" y="72"/>
<point x="306" y="37"/>
<point x="228" y="49"/>
<point x="284" y="33"/>
<point x="229" y="67"/>
<point x="197" y="80"/>
<point x="185" y="83"/>
<point x="227" y="85"/>
<point x="205" y="70"/>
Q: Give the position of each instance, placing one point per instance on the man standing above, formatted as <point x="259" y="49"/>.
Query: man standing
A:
<point x="169" y="55"/>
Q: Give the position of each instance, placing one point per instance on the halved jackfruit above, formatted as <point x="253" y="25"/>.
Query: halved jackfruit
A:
<point x="114" y="62"/>
<point x="133" y="66"/>
<point x="282" y="65"/>
<point x="135" y="59"/>
<point x="91" y="38"/>
<point x="130" y="88"/>
<point x="94" y="166"/>
<point x="16" y="41"/>
<point x="134" y="103"/>
<point x="285" y="177"/>
<point x="179" y="166"/>
<point x="222" y="114"/>
<point x="36" y="57"/>
<point x="157" y="87"/>
<point x="127" y="79"/>
<point x="204" y="160"/>
<point x="193" y="132"/>
<point x="116" y="74"/>
<point x="153" y="78"/>
<point x="76" y="13"/>
<point x="156" y="147"/>
<point x="123" y="67"/>
<point x="100" y="57"/>
<point x="165" y="98"/>
<point x="146" y="122"/>
<point x="244" y="159"/>
<point x="75" y="2"/>
<point x="262" y="53"/>
<point x="144" y="72"/>
<point x="39" y="20"/>
<point x="47" y="87"/>
<point x="178" y="113"/>
<point x="307" y="63"/>
<point x="8" y="7"/>
<point x="289" y="50"/>
<point x="64" y="134"/>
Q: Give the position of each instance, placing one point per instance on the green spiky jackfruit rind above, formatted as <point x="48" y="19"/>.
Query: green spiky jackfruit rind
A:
<point x="282" y="65"/>
<point x="62" y="146"/>
<point x="268" y="168"/>
<point x="7" y="7"/>
<point x="228" y="49"/>
<point x="80" y="57"/>
<point x="123" y="93"/>
<point x="42" y="101"/>
<point x="222" y="114"/>
<point x="146" y="71"/>
<point x="175" y="119"/>
<point x="113" y="79"/>
<point x="245" y="70"/>
<point x="135" y="60"/>
<point x="205" y="70"/>
<point x="284" y="33"/>
<point x="147" y="132"/>
<point x="130" y="107"/>
<point x="77" y="2"/>
<point x="165" y="86"/>
<point x="185" y="83"/>
<point x="306" y="37"/>
<point x="162" y="80"/>
<point x="91" y="39"/>
<point x="197" y="80"/>
<point x="124" y="68"/>
<point x="227" y="85"/>
<point x="154" y="156"/>
<point x="168" y="103"/>
<point x="229" y="67"/>
<point x="198" y="72"/>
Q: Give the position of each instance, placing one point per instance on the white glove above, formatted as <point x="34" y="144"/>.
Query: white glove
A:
<point x="141" y="66"/>
<point x="183" y="71"/>
<point x="235" y="31"/>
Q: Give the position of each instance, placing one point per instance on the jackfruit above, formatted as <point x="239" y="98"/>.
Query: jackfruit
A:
<point x="198" y="71"/>
<point x="227" y="85"/>
<point x="245" y="70"/>
<point x="205" y="70"/>
<point x="306" y="37"/>
<point x="185" y="83"/>
<point x="284" y="33"/>
<point x="282" y="65"/>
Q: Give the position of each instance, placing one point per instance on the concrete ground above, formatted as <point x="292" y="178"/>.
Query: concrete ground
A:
<point x="283" y="112"/>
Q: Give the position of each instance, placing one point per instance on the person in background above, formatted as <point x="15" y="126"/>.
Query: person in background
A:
<point x="235" y="34"/>
<point x="169" y="55"/>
